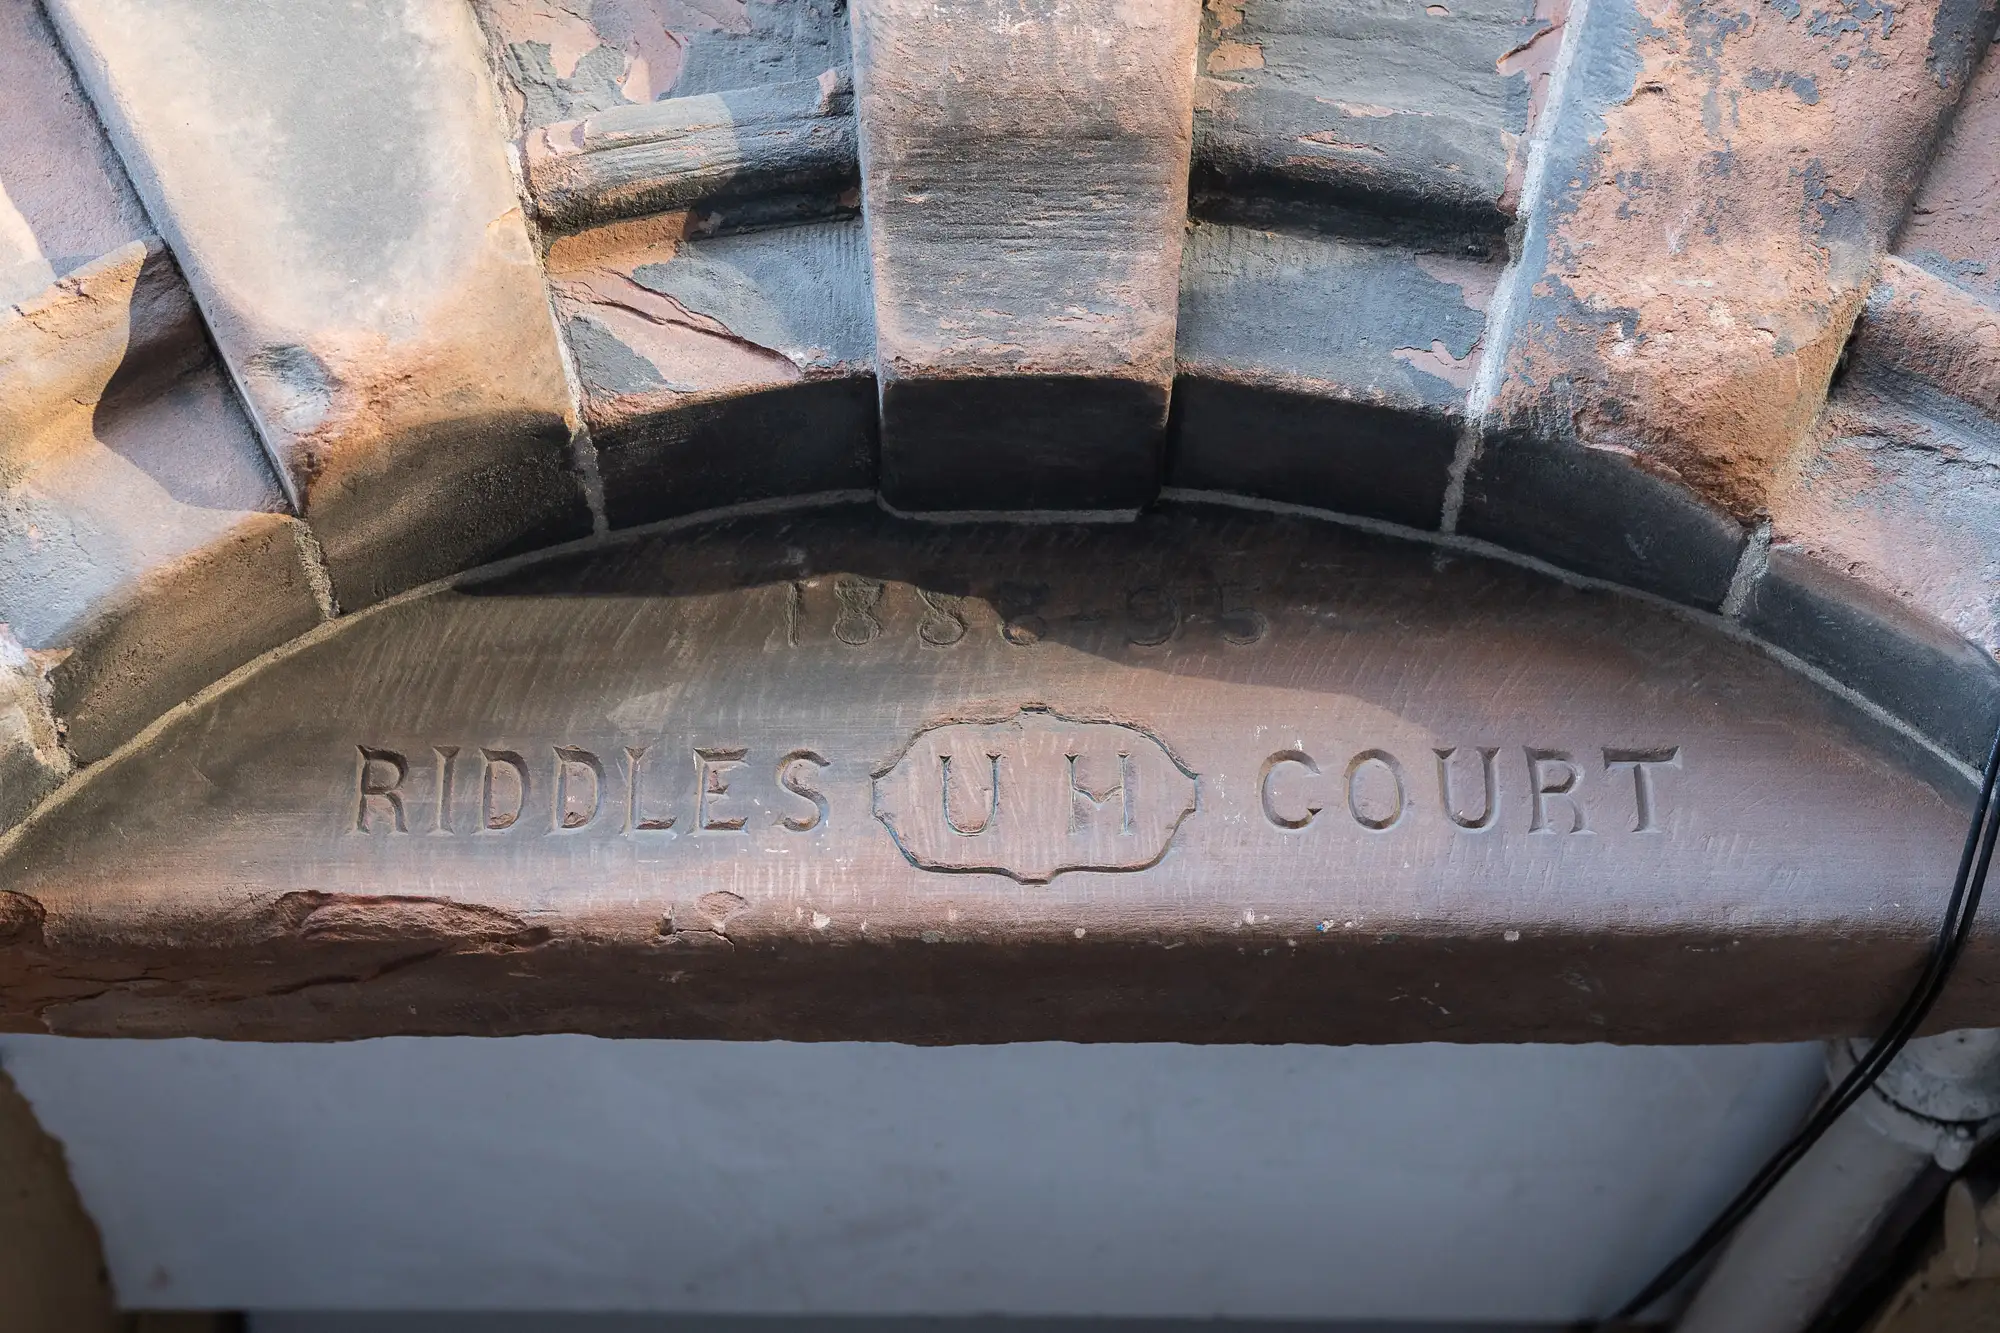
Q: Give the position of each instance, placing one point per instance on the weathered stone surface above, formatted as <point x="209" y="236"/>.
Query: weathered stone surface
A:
<point x="724" y="369"/>
<point x="143" y="543"/>
<point x="1935" y="332"/>
<point x="1025" y="188"/>
<point x="1884" y="569"/>
<point x="564" y="62"/>
<point x="64" y="200"/>
<point x="33" y="762"/>
<point x="1880" y="645"/>
<point x="1592" y="511"/>
<point x="1235" y="787"/>
<point x="1903" y="493"/>
<point x="1954" y="226"/>
<point x="338" y="195"/>
<point x="777" y="153"/>
<point x="1411" y="108"/>
<point x="1321" y="371"/>
<point x="1722" y="181"/>
<point x="792" y="723"/>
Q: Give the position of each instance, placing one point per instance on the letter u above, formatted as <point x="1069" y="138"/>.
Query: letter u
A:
<point x="992" y="805"/>
<point x="1484" y="819"/>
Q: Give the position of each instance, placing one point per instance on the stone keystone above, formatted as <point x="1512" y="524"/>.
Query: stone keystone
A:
<point x="1034" y="795"/>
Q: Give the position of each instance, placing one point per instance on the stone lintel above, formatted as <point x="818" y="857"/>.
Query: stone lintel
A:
<point x="1226" y="777"/>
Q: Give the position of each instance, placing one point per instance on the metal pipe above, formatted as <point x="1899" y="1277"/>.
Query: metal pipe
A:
<point x="1935" y="1103"/>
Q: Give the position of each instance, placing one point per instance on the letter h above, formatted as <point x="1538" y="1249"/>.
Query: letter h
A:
<point x="1097" y="799"/>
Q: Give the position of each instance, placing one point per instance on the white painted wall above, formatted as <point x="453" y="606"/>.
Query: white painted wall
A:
<point x="1436" y="1182"/>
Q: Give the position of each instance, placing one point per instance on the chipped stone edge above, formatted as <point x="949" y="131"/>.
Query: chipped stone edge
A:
<point x="26" y="694"/>
<point x="1501" y="313"/>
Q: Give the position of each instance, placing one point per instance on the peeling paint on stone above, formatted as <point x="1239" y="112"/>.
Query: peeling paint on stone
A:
<point x="1409" y="109"/>
<point x="673" y="335"/>
<point x="564" y="61"/>
<point x="1727" y="181"/>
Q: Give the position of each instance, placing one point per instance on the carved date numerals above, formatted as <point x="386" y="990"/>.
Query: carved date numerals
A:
<point x="854" y="611"/>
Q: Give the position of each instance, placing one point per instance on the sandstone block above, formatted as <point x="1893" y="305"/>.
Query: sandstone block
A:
<point x="1025" y="185"/>
<point x="1322" y="371"/>
<point x="338" y="194"/>
<point x="1954" y="224"/>
<point x="64" y="199"/>
<point x="1412" y="109"/>
<point x="566" y="62"/>
<point x="722" y="369"/>
<point x="144" y="547"/>
<point x="772" y="154"/>
<point x="1721" y="183"/>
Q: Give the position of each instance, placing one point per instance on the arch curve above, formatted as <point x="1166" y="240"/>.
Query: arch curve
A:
<point x="1496" y="293"/>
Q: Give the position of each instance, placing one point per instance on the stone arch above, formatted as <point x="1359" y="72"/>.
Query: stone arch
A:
<point x="489" y="282"/>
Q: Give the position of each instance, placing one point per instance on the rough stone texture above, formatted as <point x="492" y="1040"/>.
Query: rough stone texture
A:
<point x="1954" y="227"/>
<point x="1722" y="182"/>
<point x="564" y="62"/>
<point x="1933" y="331"/>
<point x="1902" y="491"/>
<point x="769" y="154"/>
<point x="1885" y="571"/>
<point x="722" y="369"/>
<point x="64" y="199"/>
<point x="33" y="762"/>
<point x="1321" y="371"/>
<point x="338" y="195"/>
<point x="1053" y="145"/>
<point x="1705" y="194"/>
<point x="143" y="543"/>
<point x="1413" y="108"/>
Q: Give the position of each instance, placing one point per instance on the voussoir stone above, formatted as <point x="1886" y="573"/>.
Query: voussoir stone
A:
<point x="1413" y="109"/>
<point x="1024" y="177"/>
<point x="695" y="177"/>
<point x="144" y="545"/>
<point x="336" y="189"/>
<point x="1314" y="369"/>
<point x="1954" y="225"/>
<point x="720" y="369"/>
<point x="1721" y="183"/>
<point x="64" y="199"/>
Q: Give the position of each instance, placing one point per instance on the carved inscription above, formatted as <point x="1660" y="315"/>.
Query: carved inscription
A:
<point x="1028" y="795"/>
<point x="1377" y="793"/>
<point x="574" y="791"/>
<point x="1034" y="795"/>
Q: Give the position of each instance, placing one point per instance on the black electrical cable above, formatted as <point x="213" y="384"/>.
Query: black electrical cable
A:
<point x="1961" y="909"/>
